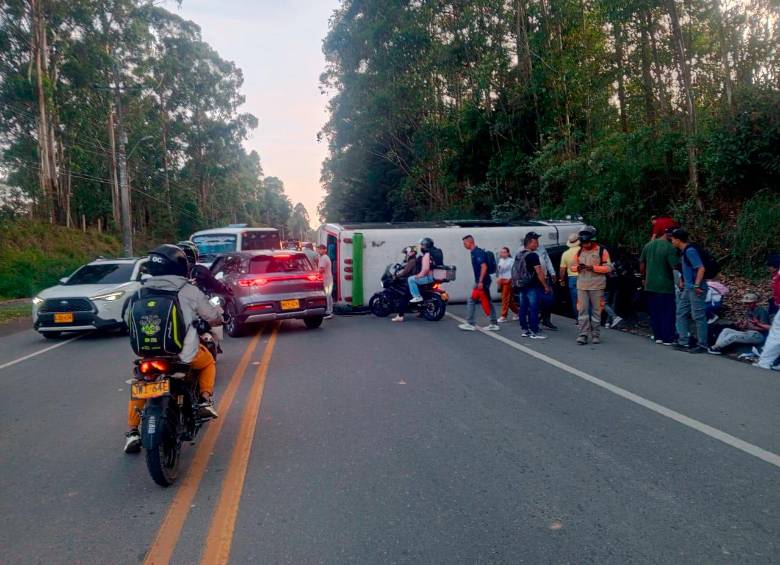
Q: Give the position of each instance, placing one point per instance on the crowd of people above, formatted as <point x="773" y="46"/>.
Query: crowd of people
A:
<point x="681" y="294"/>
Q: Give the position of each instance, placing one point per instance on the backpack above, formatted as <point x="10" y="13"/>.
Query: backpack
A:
<point x="711" y="265"/>
<point x="491" y="262"/>
<point x="521" y="276"/>
<point x="156" y="323"/>
<point x="437" y="257"/>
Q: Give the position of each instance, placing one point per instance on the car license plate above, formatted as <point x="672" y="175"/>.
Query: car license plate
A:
<point x="290" y="304"/>
<point x="150" y="390"/>
<point x="63" y="318"/>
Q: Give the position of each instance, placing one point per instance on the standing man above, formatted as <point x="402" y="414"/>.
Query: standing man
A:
<point x="592" y="265"/>
<point x="568" y="276"/>
<point x="546" y="298"/>
<point x="534" y="283"/>
<point x="326" y="270"/>
<point x="657" y="263"/>
<point x="481" y="286"/>
<point x="693" y="300"/>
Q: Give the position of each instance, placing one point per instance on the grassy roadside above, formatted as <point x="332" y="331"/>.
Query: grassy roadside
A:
<point x="35" y="255"/>
<point x="14" y="310"/>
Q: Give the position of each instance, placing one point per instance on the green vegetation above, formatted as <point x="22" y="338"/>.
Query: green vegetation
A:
<point x="613" y="110"/>
<point x="35" y="255"/>
<point x="60" y="66"/>
<point x="14" y="311"/>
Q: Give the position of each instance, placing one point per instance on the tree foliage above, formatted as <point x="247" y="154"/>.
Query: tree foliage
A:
<point x="503" y="108"/>
<point x="60" y="65"/>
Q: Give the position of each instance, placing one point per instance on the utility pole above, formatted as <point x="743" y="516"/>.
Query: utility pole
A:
<point x="124" y="191"/>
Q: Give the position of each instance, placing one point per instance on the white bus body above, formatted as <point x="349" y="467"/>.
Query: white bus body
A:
<point x="383" y="244"/>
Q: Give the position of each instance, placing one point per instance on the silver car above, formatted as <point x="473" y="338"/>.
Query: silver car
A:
<point x="270" y="285"/>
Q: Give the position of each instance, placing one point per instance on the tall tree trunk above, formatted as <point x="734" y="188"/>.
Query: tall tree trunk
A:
<point x="666" y="102"/>
<point x="115" y="212"/>
<point x="724" y="55"/>
<point x="686" y="87"/>
<point x="619" y="60"/>
<point x="522" y="42"/>
<point x="647" y="78"/>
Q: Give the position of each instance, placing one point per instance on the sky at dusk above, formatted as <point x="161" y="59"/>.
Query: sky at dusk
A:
<point x="278" y="46"/>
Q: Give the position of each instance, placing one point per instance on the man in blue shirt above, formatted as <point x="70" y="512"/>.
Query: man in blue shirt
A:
<point x="693" y="297"/>
<point x="479" y="262"/>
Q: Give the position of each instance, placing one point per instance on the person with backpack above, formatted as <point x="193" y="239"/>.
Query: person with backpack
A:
<point x="592" y="265"/>
<point x="529" y="278"/>
<point x="693" y="297"/>
<point x="425" y="275"/>
<point x="170" y="288"/>
<point x="484" y="264"/>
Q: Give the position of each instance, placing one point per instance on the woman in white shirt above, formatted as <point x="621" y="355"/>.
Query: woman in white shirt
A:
<point x="504" y="281"/>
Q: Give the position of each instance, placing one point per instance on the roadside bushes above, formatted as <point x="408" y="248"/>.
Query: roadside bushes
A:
<point x="757" y="233"/>
<point x="35" y="255"/>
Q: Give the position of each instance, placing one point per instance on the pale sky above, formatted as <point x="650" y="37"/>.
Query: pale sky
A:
<point x="278" y="46"/>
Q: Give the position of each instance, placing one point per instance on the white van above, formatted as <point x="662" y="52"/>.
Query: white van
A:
<point x="357" y="271"/>
<point x="235" y="237"/>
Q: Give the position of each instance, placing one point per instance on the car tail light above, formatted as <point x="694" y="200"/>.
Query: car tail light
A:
<point x="315" y="277"/>
<point x="255" y="307"/>
<point x="253" y="282"/>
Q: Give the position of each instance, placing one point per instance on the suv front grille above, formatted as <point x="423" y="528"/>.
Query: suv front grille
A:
<point x="66" y="305"/>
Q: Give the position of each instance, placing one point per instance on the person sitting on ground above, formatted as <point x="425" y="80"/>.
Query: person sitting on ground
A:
<point x="425" y="276"/>
<point x="504" y="282"/>
<point x="751" y="330"/>
<point x="410" y="266"/>
<point x="716" y="292"/>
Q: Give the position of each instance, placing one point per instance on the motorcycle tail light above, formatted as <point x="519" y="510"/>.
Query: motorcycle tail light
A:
<point x="154" y="367"/>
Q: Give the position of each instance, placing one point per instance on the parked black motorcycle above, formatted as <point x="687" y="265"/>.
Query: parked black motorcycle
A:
<point x="395" y="293"/>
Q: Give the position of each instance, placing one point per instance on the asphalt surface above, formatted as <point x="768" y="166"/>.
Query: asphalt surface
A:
<point x="399" y="443"/>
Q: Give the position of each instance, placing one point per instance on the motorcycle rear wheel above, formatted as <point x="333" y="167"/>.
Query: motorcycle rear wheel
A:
<point x="163" y="461"/>
<point x="434" y="309"/>
<point x="380" y="305"/>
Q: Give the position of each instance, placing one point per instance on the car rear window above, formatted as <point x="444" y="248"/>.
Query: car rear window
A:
<point x="268" y="264"/>
<point x="107" y="273"/>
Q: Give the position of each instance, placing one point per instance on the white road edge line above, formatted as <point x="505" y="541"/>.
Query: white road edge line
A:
<point x="728" y="439"/>
<point x="40" y="352"/>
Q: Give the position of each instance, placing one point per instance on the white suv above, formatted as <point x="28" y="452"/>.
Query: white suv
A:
<point x="94" y="297"/>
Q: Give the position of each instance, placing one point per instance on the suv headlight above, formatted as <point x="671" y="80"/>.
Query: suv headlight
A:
<point x="37" y="300"/>
<point x="109" y="297"/>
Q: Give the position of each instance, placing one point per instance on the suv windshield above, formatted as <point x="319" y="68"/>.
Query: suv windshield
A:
<point x="215" y="243"/>
<point x="105" y="273"/>
<point x="266" y="264"/>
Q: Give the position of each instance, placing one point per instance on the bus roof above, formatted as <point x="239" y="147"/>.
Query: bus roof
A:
<point x="230" y="230"/>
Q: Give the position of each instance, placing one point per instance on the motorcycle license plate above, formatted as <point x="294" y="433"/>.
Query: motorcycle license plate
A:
<point x="150" y="390"/>
<point x="290" y="304"/>
<point x="63" y="318"/>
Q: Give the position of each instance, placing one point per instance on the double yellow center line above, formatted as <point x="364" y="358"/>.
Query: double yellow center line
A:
<point x="220" y="536"/>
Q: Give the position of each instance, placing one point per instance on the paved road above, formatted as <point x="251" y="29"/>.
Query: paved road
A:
<point x="415" y="443"/>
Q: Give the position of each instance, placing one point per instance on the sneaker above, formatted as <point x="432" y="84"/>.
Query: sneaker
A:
<point x="616" y="321"/>
<point x="502" y="320"/>
<point x="398" y="319"/>
<point x="755" y="351"/>
<point x="416" y="300"/>
<point x="493" y="328"/>
<point x="526" y="333"/>
<point x="549" y="325"/>
<point x="697" y="349"/>
<point x="659" y="341"/>
<point x="582" y="340"/>
<point x="327" y="317"/>
<point x="206" y="409"/>
<point x="667" y="343"/>
<point x="714" y="319"/>
<point x="467" y="327"/>
<point x="713" y="351"/>
<point x="595" y="339"/>
<point x="681" y="347"/>
<point x="132" y="441"/>
<point x="514" y="317"/>
<point x="533" y="335"/>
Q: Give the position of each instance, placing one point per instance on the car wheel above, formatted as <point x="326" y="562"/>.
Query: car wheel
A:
<point x="314" y="322"/>
<point x="233" y="325"/>
<point x="51" y="335"/>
